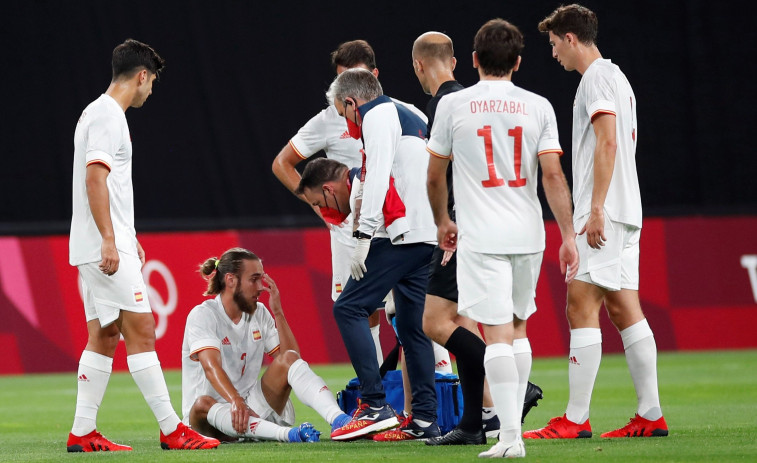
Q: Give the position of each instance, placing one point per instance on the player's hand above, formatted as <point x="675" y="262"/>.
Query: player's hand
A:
<point x="446" y="235"/>
<point x="390" y="310"/>
<point x="359" y="254"/>
<point x="446" y="257"/>
<point x="141" y="253"/>
<point x="274" y="300"/>
<point x="110" y="259"/>
<point x="240" y="415"/>
<point x="595" y="230"/>
<point x="569" y="259"/>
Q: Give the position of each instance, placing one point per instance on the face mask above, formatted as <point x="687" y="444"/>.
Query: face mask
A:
<point x="332" y="216"/>
<point x="354" y="130"/>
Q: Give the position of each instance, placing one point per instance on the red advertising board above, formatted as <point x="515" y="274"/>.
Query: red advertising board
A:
<point x="698" y="289"/>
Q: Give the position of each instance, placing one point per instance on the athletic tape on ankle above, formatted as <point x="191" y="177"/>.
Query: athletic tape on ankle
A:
<point x="635" y="333"/>
<point x="585" y="337"/>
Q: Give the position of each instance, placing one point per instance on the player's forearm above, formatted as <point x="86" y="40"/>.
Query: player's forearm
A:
<point x="287" y="341"/>
<point x="220" y="381"/>
<point x="604" y="164"/>
<point x="99" y="204"/>
<point x="560" y="203"/>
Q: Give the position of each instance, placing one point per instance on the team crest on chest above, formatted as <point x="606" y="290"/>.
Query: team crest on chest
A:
<point x="256" y="336"/>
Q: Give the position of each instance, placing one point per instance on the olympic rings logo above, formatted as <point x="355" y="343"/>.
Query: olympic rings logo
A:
<point x="163" y="308"/>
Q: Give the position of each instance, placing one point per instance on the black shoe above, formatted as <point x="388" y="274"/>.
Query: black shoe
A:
<point x="533" y="395"/>
<point x="459" y="437"/>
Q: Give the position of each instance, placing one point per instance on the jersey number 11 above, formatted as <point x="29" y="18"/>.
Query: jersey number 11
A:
<point x="493" y="180"/>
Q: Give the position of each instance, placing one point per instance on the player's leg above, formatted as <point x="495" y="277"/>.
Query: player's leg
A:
<point x="624" y="309"/>
<point x="264" y="423"/>
<point x="289" y="372"/>
<point x="95" y="366"/>
<point x="585" y="355"/>
<point x="137" y="325"/>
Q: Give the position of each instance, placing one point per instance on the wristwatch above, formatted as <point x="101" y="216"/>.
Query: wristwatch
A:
<point x="361" y="236"/>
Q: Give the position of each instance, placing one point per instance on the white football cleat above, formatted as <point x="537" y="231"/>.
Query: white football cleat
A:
<point x="502" y="450"/>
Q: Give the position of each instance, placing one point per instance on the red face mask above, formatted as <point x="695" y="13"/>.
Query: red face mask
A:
<point x="330" y="215"/>
<point x="352" y="127"/>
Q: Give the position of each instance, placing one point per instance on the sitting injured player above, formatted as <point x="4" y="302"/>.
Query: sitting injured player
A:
<point x="222" y="354"/>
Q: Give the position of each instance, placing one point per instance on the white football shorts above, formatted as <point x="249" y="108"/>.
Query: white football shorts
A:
<point x="615" y="265"/>
<point x="341" y="255"/>
<point x="494" y="287"/>
<point x="106" y="296"/>
<point x="256" y="401"/>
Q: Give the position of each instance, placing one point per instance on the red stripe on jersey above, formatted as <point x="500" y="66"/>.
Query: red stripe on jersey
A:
<point x="193" y="354"/>
<point x="99" y="161"/>
<point x="437" y="154"/>
<point x="559" y="152"/>
<point x="600" y="112"/>
<point x="274" y="350"/>
<point x="296" y="151"/>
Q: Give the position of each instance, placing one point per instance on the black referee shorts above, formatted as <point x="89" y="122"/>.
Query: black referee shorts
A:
<point x="442" y="281"/>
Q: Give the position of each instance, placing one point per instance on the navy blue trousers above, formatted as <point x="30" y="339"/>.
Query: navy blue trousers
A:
<point x="403" y="268"/>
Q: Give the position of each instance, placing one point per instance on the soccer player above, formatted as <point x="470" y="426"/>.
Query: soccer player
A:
<point x="608" y="219"/>
<point x="327" y="131"/>
<point x="394" y="245"/>
<point x="224" y="336"/>
<point x="434" y="62"/>
<point x="499" y="134"/>
<point x="104" y="247"/>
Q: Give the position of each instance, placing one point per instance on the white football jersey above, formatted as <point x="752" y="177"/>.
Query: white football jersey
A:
<point x="496" y="131"/>
<point x="605" y="89"/>
<point x="102" y="136"/>
<point x="242" y="347"/>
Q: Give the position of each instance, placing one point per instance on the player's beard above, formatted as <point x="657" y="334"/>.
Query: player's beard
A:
<point x="241" y="302"/>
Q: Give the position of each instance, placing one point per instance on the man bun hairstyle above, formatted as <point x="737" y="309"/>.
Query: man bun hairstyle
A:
<point x="214" y="269"/>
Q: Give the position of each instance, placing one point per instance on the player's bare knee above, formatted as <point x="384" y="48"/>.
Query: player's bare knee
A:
<point x="202" y="405"/>
<point x="287" y="358"/>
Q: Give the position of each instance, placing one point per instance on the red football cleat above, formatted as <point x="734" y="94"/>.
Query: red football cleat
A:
<point x="186" y="438"/>
<point x="641" y="427"/>
<point x="560" y="427"/>
<point x="93" y="442"/>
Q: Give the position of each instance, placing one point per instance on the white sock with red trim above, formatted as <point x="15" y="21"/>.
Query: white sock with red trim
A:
<point x="219" y="416"/>
<point x="93" y="375"/>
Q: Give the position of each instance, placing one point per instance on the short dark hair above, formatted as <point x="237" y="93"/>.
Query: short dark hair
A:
<point x="132" y="56"/>
<point x="319" y="171"/>
<point x="354" y="53"/>
<point x="498" y="45"/>
<point x="574" y="18"/>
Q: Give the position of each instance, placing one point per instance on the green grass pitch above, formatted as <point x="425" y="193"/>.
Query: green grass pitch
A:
<point x="709" y="400"/>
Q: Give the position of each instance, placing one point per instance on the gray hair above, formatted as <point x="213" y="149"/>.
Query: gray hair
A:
<point x="354" y="83"/>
